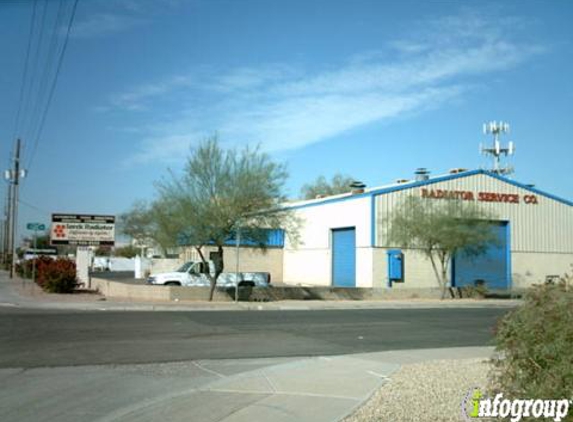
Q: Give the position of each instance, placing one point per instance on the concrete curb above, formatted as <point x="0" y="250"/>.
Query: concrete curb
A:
<point x="9" y="297"/>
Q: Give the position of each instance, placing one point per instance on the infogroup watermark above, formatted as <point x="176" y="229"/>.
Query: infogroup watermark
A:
<point x="475" y="406"/>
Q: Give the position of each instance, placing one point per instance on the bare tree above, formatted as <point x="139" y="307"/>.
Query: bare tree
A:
<point x="440" y="230"/>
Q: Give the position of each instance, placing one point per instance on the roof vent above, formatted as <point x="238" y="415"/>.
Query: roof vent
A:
<point x="530" y="185"/>
<point x="400" y="181"/>
<point x="458" y="170"/>
<point x="357" y="187"/>
<point x="422" y="174"/>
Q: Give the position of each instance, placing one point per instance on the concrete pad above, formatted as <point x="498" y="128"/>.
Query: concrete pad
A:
<point x="291" y="408"/>
<point x="229" y="367"/>
<point x="402" y="357"/>
<point x="256" y="383"/>
<point x="6" y="373"/>
<point x="196" y="407"/>
<point x="345" y="377"/>
<point x="88" y="393"/>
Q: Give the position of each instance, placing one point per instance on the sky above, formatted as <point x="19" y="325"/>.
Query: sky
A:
<point x="369" y="88"/>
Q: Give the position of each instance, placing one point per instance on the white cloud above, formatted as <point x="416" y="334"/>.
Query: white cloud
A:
<point x="287" y="108"/>
<point x="167" y="149"/>
<point x="137" y="99"/>
<point x="104" y="23"/>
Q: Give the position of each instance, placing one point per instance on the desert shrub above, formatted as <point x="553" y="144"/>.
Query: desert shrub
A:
<point x="536" y="345"/>
<point x="478" y="291"/>
<point x="56" y="276"/>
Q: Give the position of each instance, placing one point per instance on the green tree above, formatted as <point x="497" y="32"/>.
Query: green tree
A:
<point x="219" y="191"/>
<point x="128" y="251"/>
<point x="440" y="230"/>
<point x="339" y="183"/>
<point x="103" y="250"/>
<point x="151" y="223"/>
<point x="137" y="222"/>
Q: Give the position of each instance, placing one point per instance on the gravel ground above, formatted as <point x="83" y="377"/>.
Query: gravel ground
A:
<point x="430" y="391"/>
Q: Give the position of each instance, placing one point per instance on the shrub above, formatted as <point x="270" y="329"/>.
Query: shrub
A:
<point x="479" y="291"/>
<point x="24" y="268"/>
<point x="536" y="343"/>
<point x="56" y="276"/>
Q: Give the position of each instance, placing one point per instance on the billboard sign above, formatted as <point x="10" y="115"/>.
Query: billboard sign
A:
<point x="82" y="230"/>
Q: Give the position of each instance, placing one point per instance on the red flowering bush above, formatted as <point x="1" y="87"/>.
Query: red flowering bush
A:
<point x="56" y="276"/>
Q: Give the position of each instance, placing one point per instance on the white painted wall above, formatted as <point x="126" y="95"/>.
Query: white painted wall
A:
<point x="310" y="260"/>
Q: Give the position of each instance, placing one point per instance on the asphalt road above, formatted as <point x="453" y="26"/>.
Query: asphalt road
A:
<point x="39" y="338"/>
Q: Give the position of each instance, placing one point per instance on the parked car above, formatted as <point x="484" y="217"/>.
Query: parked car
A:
<point x="195" y="273"/>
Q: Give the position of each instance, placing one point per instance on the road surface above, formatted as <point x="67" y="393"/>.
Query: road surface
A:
<point x="38" y="338"/>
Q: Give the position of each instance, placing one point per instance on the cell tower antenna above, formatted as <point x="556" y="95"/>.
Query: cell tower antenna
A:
<point x="496" y="150"/>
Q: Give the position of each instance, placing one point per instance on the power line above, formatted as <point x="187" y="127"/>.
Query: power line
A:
<point x="25" y="73"/>
<point x="28" y="118"/>
<point x="47" y="71"/>
<point x="54" y="82"/>
<point x="27" y="204"/>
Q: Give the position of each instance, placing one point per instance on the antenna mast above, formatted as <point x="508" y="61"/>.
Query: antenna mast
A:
<point x="496" y="151"/>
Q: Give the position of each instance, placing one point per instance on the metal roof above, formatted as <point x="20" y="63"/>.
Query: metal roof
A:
<point x="380" y="190"/>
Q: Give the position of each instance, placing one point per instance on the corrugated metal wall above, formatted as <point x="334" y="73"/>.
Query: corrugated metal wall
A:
<point x="543" y="227"/>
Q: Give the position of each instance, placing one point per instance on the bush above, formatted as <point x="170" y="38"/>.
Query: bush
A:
<point x="56" y="276"/>
<point x="24" y="268"/>
<point x="479" y="291"/>
<point x="536" y="345"/>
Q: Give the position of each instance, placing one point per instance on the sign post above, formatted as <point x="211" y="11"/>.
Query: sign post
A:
<point x="35" y="227"/>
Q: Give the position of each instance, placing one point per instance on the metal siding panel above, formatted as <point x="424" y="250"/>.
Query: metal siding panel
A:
<point x="546" y="227"/>
<point x="344" y="257"/>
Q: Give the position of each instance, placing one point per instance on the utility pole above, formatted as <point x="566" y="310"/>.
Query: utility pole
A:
<point x="7" y="215"/>
<point x="13" y="176"/>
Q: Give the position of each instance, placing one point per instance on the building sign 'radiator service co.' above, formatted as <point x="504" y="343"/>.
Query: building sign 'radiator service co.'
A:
<point x="511" y="198"/>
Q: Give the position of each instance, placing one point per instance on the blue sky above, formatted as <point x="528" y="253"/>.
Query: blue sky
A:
<point x="373" y="89"/>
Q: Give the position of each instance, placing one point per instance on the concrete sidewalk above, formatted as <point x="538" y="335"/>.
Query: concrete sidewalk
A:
<point x="20" y="293"/>
<point x="304" y="389"/>
<point x="277" y="389"/>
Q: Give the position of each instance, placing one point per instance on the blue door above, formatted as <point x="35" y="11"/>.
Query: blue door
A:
<point x="344" y="257"/>
<point x="491" y="268"/>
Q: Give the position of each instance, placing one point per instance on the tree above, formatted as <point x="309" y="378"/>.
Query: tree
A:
<point x="128" y="251"/>
<point x="137" y="222"/>
<point x="150" y="223"/>
<point x="220" y="191"/>
<point x="339" y="183"/>
<point x="440" y="230"/>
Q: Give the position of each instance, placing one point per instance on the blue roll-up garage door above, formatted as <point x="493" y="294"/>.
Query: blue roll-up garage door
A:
<point x="344" y="257"/>
<point x="491" y="268"/>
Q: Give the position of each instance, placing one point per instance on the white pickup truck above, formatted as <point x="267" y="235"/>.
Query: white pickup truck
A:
<point x="194" y="273"/>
